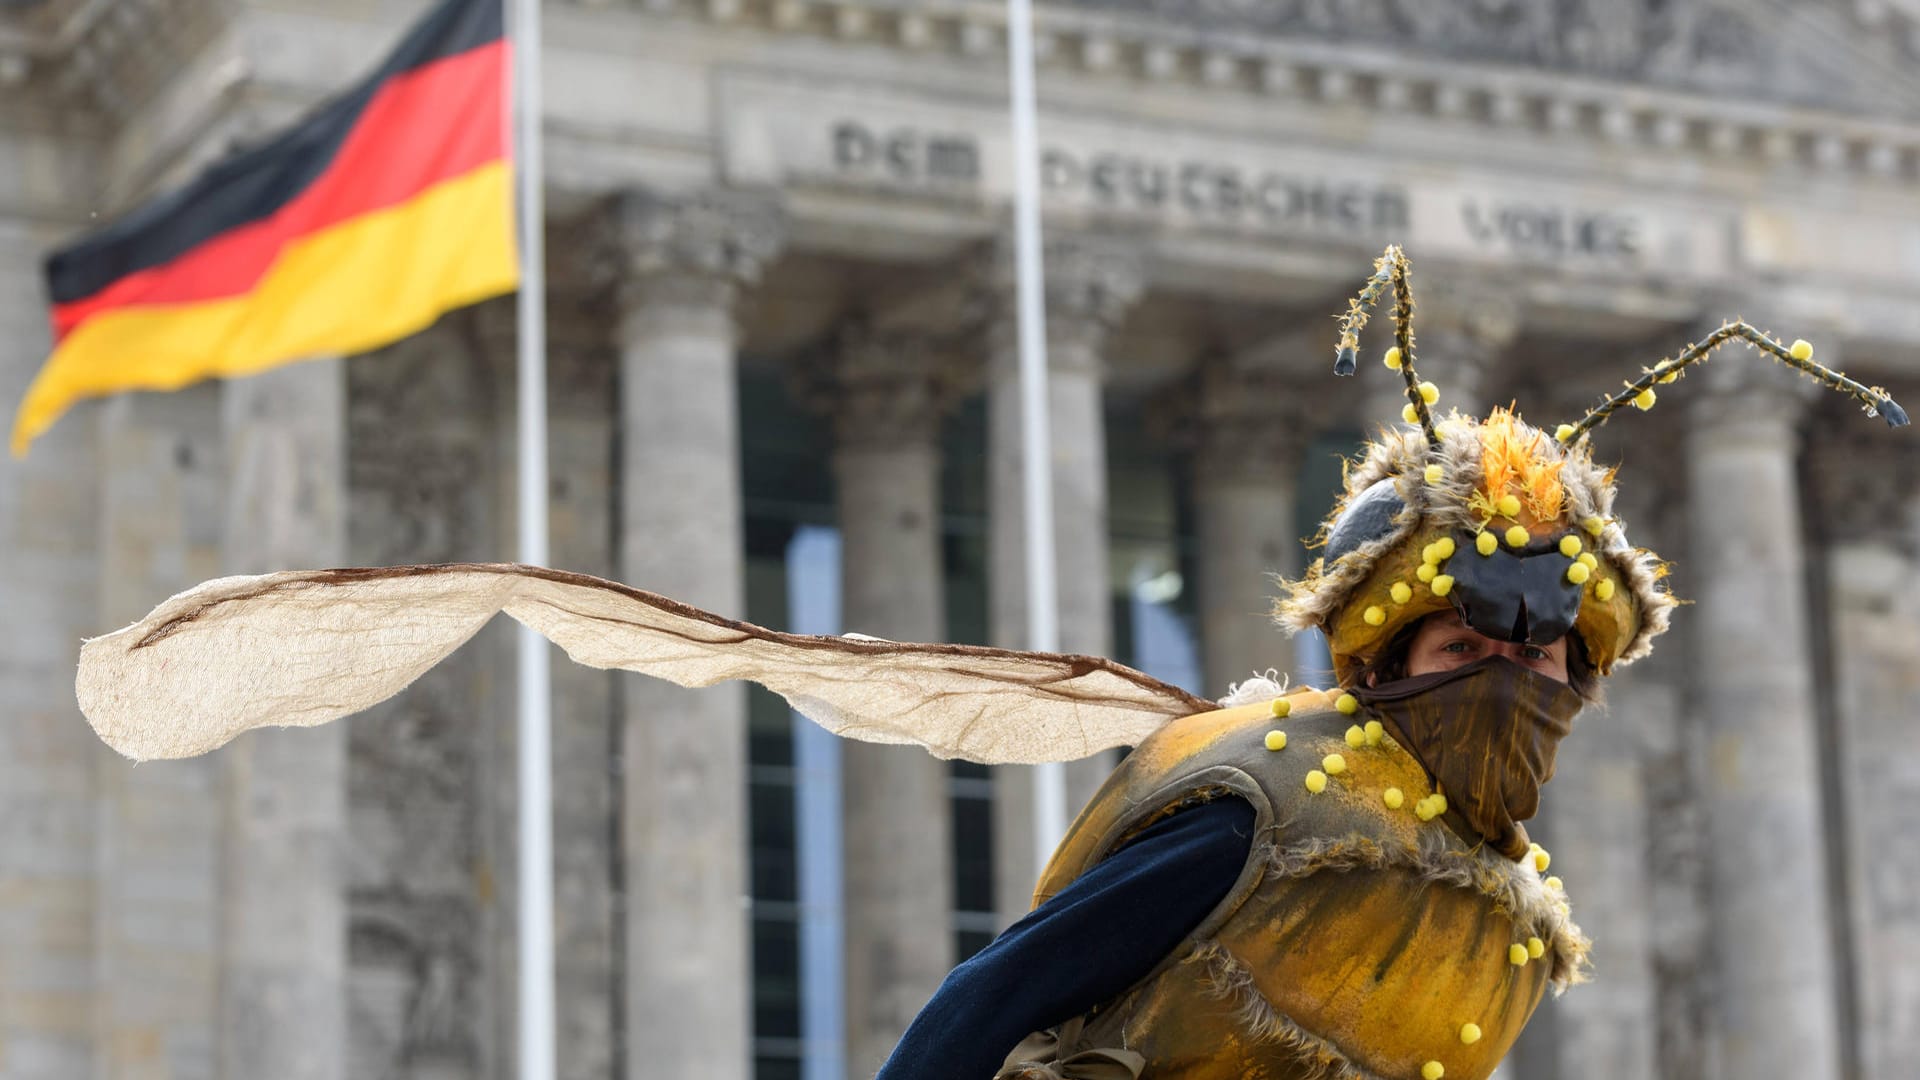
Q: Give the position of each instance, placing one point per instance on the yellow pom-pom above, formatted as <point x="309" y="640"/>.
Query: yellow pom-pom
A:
<point x="1644" y="399"/>
<point x="1392" y="359"/>
<point x="1517" y="955"/>
<point x="1432" y="1070"/>
<point x="1570" y="546"/>
<point x="1666" y="376"/>
<point x="1563" y="432"/>
<point x="1425" y="810"/>
<point x="1374" y="615"/>
<point x="1430" y="555"/>
<point x="1375" y="732"/>
<point x="1604" y="590"/>
<point x="1356" y="736"/>
<point x="1410" y="414"/>
<point x="1469" y="1033"/>
<point x="1509" y="505"/>
<point x="1541" y="860"/>
<point x="1485" y="543"/>
<point x="1429" y="393"/>
<point x="1442" y="584"/>
<point x="1335" y="764"/>
<point x="1518" y="537"/>
<point x="1401" y="592"/>
<point x="1802" y="349"/>
<point x="1556" y="884"/>
<point x="1594" y="526"/>
<point x="1393" y="798"/>
<point x="1282" y="707"/>
<point x="1445" y="546"/>
<point x="1591" y="562"/>
<point x="1578" y="573"/>
<point x="1317" y="783"/>
<point x="1434" y="473"/>
<point x="1347" y="704"/>
<point x="1426" y="572"/>
<point x="1536" y="948"/>
<point x="1276" y="740"/>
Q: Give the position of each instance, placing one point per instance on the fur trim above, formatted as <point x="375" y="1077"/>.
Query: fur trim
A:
<point x="1264" y="686"/>
<point x="1232" y="981"/>
<point x="1516" y="891"/>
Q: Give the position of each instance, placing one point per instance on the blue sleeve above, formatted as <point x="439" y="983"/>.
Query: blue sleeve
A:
<point x="1087" y="945"/>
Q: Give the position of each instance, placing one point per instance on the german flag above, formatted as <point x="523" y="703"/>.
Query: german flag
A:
<point x="359" y="226"/>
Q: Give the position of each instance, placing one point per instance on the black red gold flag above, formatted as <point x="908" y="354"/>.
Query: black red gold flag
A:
<point x="362" y="224"/>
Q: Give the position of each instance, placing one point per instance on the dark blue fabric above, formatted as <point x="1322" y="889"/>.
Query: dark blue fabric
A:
<point x="1086" y="946"/>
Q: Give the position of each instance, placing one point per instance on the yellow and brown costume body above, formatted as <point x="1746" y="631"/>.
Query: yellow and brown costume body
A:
<point x="1360" y="941"/>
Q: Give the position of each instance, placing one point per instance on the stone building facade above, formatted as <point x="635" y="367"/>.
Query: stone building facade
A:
<point x="780" y="309"/>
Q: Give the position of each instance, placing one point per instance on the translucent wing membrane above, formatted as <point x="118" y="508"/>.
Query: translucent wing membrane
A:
<point x="300" y="648"/>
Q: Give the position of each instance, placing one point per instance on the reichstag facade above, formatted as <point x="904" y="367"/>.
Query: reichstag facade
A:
<point x="783" y="387"/>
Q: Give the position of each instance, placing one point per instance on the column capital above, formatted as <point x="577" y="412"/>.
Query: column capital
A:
<point x="882" y="387"/>
<point x="696" y="248"/>
<point x="1742" y="399"/>
<point x="1090" y="284"/>
<point x="1241" y="422"/>
<point x="1462" y="328"/>
<point x="1489" y="313"/>
<point x="1864" y="480"/>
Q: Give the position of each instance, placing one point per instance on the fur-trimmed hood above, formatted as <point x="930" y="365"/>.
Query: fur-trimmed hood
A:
<point x="1487" y="484"/>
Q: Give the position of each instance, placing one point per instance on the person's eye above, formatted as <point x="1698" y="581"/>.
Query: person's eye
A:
<point x="1535" y="652"/>
<point x="1456" y="647"/>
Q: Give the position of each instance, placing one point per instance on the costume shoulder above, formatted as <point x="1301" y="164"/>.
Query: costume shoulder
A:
<point x="1314" y="772"/>
<point x="303" y="647"/>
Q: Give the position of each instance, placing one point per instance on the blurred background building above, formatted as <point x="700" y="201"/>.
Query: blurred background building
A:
<point x="782" y="388"/>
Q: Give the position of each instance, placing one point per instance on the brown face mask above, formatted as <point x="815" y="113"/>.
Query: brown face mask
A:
<point x="1487" y="733"/>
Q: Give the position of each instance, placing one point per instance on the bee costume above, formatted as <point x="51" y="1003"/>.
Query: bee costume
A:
<point x="1390" y="918"/>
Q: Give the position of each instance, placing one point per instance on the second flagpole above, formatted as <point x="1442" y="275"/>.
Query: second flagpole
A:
<point x="536" y="958"/>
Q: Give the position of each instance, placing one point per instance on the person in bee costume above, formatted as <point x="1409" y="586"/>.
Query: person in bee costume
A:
<point x="1302" y="883"/>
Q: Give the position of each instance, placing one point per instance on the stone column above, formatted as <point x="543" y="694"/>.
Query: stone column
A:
<point x="1865" y="481"/>
<point x="886" y="393"/>
<point x="1598" y="822"/>
<point x="49" y="548"/>
<point x="679" y="266"/>
<point x="1245" y="431"/>
<point x="1089" y="287"/>
<point x="1771" y="943"/>
<point x="284" y="922"/>
<point x="157" y="914"/>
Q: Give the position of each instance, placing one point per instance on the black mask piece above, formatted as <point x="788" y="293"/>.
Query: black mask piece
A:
<point x="1511" y="595"/>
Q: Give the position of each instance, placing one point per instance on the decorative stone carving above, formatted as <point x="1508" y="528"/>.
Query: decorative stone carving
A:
<point x="1240" y="421"/>
<point x="882" y="388"/>
<point x="1861" y="480"/>
<point x="690" y="251"/>
<point x="1744" y="397"/>
<point x="1701" y="45"/>
<point x="1090" y="284"/>
<point x="1462" y="329"/>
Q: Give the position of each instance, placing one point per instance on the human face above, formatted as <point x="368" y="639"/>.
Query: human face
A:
<point x="1444" y="643"/>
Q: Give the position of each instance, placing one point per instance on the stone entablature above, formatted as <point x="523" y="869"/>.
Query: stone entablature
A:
<point x="1726" y="117"/>
<point x="101" y="58"/>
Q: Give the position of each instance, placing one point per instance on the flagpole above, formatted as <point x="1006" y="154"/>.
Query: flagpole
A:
<point x="1043" y="613"/>
<point x="536" y="961"/>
